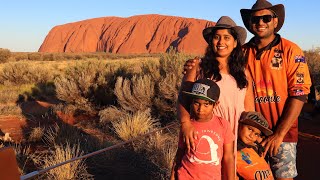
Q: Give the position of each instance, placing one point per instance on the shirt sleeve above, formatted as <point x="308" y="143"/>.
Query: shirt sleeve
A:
<point x="298" y="75"/>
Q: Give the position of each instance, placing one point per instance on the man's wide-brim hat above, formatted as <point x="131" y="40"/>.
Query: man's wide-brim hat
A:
<point x="225" y="22"/>
<point x="260" y="5"/>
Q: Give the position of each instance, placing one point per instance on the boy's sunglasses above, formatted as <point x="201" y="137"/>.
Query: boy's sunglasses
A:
<point x="265" y="18"/>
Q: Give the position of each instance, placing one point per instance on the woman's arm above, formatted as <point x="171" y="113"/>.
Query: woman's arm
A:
<point x="228" y="164"/>
<point x="183" y="109"/>
<point x="249" y="98"/>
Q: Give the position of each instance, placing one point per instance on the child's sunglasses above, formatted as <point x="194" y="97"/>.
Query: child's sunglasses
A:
<point x="265" y="18"/>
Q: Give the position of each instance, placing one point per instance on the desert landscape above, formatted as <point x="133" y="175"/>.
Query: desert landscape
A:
<point x="92" y="86"/>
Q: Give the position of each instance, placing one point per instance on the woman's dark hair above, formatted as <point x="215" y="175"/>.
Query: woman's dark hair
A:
<point x="237" y="63"/>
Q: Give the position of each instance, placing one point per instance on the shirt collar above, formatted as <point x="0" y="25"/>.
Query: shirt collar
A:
<point x="275" y="42"/>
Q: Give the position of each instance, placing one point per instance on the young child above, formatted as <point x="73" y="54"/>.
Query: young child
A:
<point x="214" y="142"/>
<point x="250" y="162"/>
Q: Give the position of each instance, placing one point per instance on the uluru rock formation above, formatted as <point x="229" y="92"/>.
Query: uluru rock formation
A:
<point x="136" y="34"/>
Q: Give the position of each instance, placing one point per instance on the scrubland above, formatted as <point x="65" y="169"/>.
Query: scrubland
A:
<point x="118" y="97"/>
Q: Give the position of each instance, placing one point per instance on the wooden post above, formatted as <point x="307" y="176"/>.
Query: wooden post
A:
<point x="8" y="164"/>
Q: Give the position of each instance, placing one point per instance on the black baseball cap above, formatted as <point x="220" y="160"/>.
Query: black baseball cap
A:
<point x="205" y="89"/>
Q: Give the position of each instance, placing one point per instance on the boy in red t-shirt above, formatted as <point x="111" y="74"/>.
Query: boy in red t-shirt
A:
<point x="250" y="162"/>
<point x="214" y="142"/>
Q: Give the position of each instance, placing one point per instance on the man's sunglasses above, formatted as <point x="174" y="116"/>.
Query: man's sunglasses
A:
<point x="265" y="19"/>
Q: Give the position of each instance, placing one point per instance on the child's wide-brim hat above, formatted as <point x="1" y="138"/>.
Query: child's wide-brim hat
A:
<point x="256" y="120"/>
<point x="225" y="22"/>
<point x="260" y="5"/>
<point x="205" y="89"/>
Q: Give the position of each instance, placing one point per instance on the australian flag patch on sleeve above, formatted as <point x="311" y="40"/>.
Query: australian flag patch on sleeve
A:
<point x="299" y="59"/>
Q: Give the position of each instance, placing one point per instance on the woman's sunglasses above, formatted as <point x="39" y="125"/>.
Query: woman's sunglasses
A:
<point x="265" y="18"/>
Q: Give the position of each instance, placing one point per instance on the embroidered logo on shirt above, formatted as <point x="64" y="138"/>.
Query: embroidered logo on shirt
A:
<point x="300" y="78"/>
<point x="276" y="61"/>
<point x="246" y="157"/>
<point x="264" y="92"/>
<point x="264" y="87"/>
<point x="298" y="92"/>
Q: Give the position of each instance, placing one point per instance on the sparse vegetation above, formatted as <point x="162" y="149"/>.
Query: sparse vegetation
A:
<point x="111" y="114"/>
<point x="74" y="170"/>
<point x="134" y="125"/>
<point x="127" y="96"/>
<point x="19" y="73"/>
<point x="36" y="134"/>
<point x="4" y="55"/>
<point x="135" y="94"/>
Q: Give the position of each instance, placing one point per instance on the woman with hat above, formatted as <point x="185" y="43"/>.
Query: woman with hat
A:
<point x="279" y="91"/>
<point x="223" y="63"/>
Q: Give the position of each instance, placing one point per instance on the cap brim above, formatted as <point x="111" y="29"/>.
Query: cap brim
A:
<point x="264" y="130"/>
<point x="198" y="96"/>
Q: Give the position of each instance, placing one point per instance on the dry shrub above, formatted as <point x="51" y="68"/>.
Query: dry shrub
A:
<point x="52" y="57"/>
<point x="168" y="90"/>
<point x="36" y="134"/>
<point x="65" y="108"/>
<point x="110" y="114"/>
<point x="35" y="56"/>
<point x="313" y="58"/>
<point x="4" y="55"/>
<point x="10" y="109"/>
<point x="58" y="133"/>
<point x="135" y="94"/>
<point x="167" y="87"/>
<point x="18" y="73"/>
<point x="20" y="56"/>
<point x="151" y="68"/>
<point x="79" y="84"/>
<point x="51" y="135"/>
<point x="161" y="149"/>
<point x="73" y="170"/>
<point x="68" y="91"/>
<point x="172" y="63"/>
<point x="23" y="156"/>
<point x="8" y="95"/>
<point x="134" y="125"/>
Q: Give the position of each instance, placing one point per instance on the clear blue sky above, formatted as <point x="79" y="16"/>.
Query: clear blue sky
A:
<point x="25" y="23"/>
